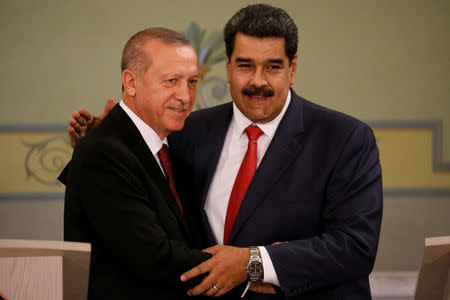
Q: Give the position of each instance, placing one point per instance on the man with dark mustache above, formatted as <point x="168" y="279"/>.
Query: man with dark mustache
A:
<point x="297" y="183"/>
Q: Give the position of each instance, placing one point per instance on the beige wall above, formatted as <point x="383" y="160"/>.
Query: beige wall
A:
<point x="378" y="60"/>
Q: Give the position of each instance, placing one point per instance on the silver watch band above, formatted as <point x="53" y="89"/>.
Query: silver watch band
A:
<point x="254" y="267"/>
<point x="254" y="253"/>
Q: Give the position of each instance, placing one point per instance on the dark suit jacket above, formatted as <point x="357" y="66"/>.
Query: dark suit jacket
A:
<point x="318" y="187"/>
<point x="118" y="200"/>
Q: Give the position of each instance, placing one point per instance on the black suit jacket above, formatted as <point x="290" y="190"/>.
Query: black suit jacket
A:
<point x="118" y="200"/>
<point x="318" y="187"/>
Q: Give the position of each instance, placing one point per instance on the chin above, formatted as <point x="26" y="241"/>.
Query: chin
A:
<point x="177" y="127"/>
<point x="256" y="116"/>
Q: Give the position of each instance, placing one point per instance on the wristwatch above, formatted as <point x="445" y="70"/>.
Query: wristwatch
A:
<point x="254" y="266"/>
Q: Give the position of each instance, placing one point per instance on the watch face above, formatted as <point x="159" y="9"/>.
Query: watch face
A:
<point x="255" y="268"/>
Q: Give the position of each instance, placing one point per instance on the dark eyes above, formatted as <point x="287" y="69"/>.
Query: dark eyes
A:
<point x="175" y="81"/>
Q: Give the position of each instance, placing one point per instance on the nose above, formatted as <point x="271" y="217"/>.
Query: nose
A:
<point x="183" y="93"/>
<point x="259" y="78"/>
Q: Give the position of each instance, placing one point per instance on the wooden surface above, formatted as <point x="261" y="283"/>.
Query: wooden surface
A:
<point x="37" y="269"/>
<point x="18" y="248"/>
<point x="29" y="278"/>
<point x="434" y="275"/>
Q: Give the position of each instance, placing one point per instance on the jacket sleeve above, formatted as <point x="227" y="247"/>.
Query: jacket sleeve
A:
<point x="346" y="248"/>
<point x="63" y="176"/>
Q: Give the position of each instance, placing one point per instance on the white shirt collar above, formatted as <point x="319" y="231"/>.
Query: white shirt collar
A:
<point x="241" y="121"/>
<point x="152" y="139"/>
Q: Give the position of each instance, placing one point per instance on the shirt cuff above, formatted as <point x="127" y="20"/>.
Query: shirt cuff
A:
<point x="246" y="289"/>
<point x="269" y="271"/>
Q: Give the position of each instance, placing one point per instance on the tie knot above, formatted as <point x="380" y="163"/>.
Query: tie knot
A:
<point x="253" y="132"/>
<point x="163" y="153"/>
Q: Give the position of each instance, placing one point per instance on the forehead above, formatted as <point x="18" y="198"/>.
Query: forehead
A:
<point x="258" y="49"/>
<point x="157" y="49"/>
<point x="167" y="56"/>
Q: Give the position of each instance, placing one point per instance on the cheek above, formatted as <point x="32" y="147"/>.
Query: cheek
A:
<point x="237" y="79"/>
<point x="193" y="94"/>
<point x="237" y="87"/>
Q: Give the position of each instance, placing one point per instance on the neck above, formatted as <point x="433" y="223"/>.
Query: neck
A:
<point x="129" y="102"/>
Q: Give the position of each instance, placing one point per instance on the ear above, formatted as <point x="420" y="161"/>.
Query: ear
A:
<point x="228" y="66"/>
<point x="292" y="70"/>
<point x="129" y="80"/>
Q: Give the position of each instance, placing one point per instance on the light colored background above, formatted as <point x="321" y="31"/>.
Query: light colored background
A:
<point x="377" y="60"/>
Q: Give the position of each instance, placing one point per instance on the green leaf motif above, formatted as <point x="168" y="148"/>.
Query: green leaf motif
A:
<point x="210" y="50"/>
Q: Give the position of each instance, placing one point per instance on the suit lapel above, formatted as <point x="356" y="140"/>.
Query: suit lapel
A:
<point x="135" y="141"/>
<point x="206" y="158"/>
<point x="284" y="147"/>
<point x="211" y="151"/>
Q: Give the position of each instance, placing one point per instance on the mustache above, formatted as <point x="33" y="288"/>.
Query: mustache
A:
<point x="263" y="91"/>
<point x="179" y="105"/>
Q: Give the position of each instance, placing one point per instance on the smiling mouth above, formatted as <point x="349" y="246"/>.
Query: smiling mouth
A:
<point x="178" y="109"/>
<point x="257" y="98"/>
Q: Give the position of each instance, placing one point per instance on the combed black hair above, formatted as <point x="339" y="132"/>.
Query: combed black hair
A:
<point x="262" y="20"/>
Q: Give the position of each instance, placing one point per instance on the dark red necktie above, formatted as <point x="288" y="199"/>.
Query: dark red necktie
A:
<point x="243" y="179"/>
<point x="164" y="158"/>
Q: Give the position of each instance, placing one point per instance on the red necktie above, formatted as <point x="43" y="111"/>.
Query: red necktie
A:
<point x="164" y="158"/>
<point x="243" y="179"/>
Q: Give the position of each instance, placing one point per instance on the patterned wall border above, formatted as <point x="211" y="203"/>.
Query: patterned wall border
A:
<point x="434" y="125"/>
<point x="437" y="137"/>
<point x="31" y="196"/>
<point x="32" y="128"/>
<point x="437" y="149"/>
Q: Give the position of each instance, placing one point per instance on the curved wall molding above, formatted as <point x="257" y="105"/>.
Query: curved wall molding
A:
<point x="435" y="126"/>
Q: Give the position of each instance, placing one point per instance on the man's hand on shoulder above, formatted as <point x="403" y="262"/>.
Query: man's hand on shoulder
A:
<point x="83" y="121"/>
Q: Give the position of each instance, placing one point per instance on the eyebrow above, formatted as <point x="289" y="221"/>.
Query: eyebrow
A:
<point x="178" y="75"/>
<point x="271" y="60"/>
<point x="275" y="61"/>
<point x="242" y="59"/>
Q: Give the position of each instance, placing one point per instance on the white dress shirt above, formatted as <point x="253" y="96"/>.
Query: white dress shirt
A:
<point x="230" y="160"/>
<point x="150" y="137"/>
